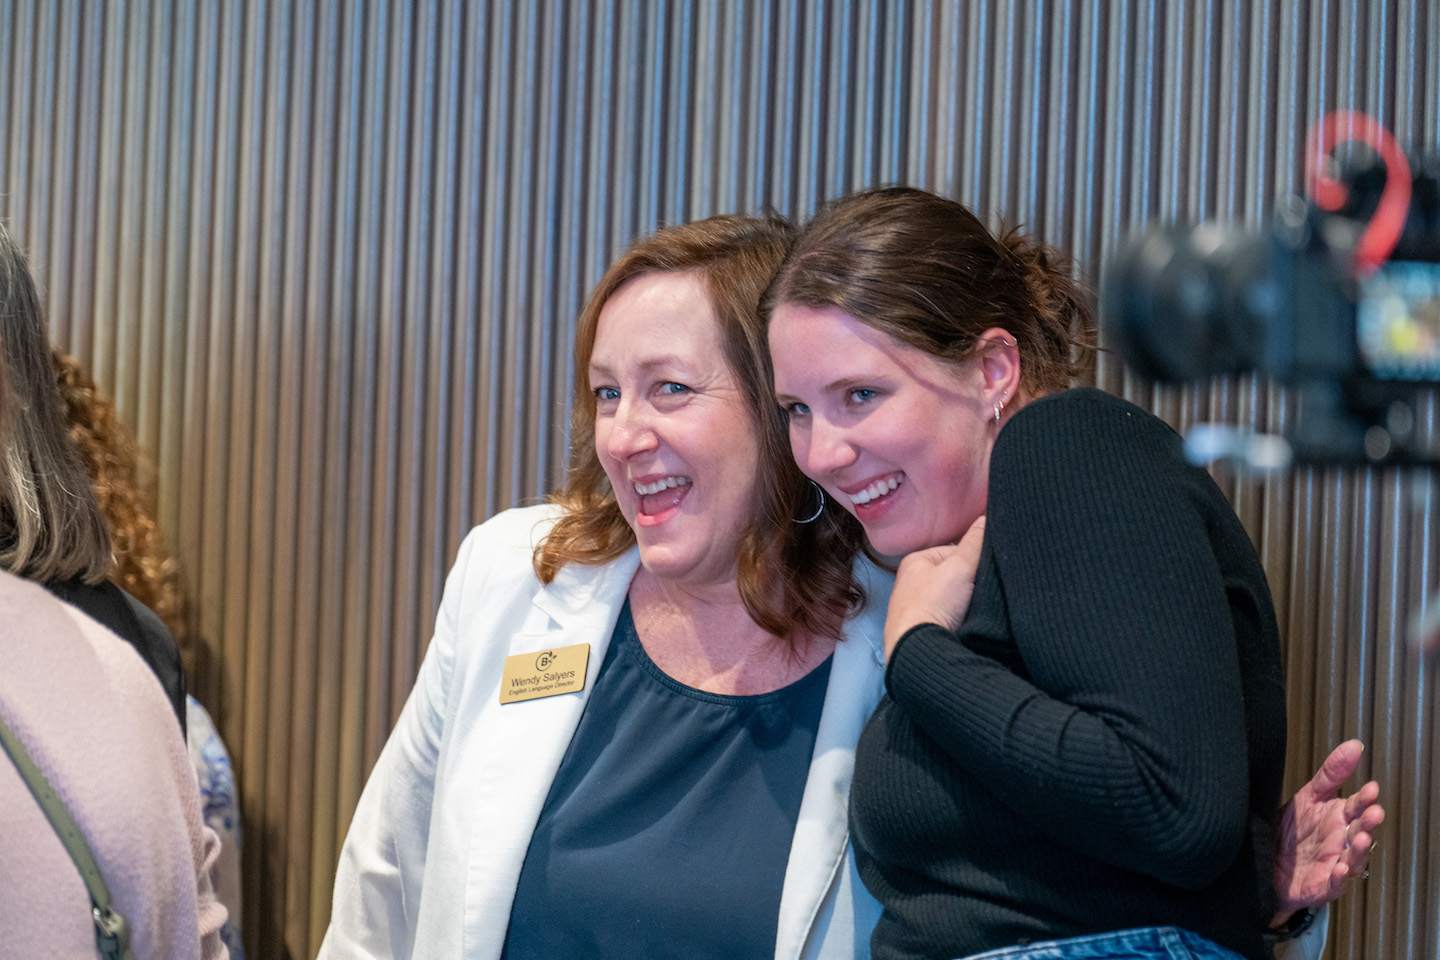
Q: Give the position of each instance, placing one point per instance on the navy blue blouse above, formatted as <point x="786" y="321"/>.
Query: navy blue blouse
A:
<point x="668" y="827"/>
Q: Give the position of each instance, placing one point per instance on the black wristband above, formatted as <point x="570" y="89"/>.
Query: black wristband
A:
<point x="1298" y="923"/>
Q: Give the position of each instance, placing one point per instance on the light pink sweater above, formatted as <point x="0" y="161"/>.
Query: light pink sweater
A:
<point x="95" y="721"/>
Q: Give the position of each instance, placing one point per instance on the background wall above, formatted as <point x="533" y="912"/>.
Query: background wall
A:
<point x="327" y="256"/>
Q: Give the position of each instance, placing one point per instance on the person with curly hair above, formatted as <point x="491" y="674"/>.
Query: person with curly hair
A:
<point x="144" y="565"/>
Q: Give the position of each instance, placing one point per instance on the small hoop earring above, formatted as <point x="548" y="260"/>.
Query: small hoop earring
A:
<point x="998" y="407"/>
<point x="818" y="510"/>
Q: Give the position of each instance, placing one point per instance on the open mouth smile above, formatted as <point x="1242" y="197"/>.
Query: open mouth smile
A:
<point x="646" y="489"/>
<point x="660" y="499"/>
<point x="874" y="491"/>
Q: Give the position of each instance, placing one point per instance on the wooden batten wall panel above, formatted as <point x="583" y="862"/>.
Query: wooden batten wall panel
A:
<point x="328" y="257"/>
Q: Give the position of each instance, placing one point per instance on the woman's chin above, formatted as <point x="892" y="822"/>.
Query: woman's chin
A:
<point x="893" y="544"/>
<point x="895" y="540"/>
<point x="670" y="563"/>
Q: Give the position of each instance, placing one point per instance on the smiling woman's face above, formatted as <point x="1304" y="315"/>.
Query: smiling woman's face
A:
<point x="896" y="436"/>
<point x="672" y="429"/>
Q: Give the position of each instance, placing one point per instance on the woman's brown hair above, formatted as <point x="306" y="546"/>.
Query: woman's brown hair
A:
<point x="794" y="578"/>
<point x="924" y="270"/>
<point x="51" y="527"/>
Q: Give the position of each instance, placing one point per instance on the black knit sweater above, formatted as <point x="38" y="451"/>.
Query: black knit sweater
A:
<point x="1100" y="746"/>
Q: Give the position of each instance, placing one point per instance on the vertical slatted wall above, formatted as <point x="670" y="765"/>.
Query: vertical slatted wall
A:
<point x="327" y="256"/>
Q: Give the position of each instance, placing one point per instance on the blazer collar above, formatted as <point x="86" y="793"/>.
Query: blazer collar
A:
<point x="578" y="589"/>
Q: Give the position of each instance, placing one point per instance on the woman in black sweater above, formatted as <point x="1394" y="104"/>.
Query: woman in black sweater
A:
<point x="1084" y="727"/>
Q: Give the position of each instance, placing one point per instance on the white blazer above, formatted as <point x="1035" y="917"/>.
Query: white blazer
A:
<point x="433" y="856"/>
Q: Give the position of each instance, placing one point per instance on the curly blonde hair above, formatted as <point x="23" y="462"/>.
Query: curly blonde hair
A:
<point x="144" y="566"/>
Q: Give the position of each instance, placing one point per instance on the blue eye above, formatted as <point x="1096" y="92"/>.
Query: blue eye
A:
<point x="793" y="410"/>
<point x="671" y="387"/>
<point x="606" y="393"/>
<point x="862" y="395"/>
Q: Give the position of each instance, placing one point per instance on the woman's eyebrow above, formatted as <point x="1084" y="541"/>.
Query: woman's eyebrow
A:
<point x="662" y="361"/>
<point x="843" y="383"/>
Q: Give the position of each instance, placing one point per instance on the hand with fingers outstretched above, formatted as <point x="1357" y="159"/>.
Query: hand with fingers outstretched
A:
<point x="1326" y="839"/>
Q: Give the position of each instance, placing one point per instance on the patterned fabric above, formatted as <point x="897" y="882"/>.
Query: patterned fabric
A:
<point x="220" y="807"/>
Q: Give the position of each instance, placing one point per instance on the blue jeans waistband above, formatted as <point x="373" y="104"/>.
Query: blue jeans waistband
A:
<point x="1142" y="943"/>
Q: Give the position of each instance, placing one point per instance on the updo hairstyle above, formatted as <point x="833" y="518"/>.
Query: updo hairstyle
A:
<point x="924" y="270"/>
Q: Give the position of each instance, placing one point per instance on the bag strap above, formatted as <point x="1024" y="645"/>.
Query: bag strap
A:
<point x="112" y="933"/>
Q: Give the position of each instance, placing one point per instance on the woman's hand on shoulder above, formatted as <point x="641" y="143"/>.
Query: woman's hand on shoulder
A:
<point x="1325" y="839"/>
<point x="934" y="586"/>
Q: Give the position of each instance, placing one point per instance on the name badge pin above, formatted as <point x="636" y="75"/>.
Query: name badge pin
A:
<point x="544" y="673"/>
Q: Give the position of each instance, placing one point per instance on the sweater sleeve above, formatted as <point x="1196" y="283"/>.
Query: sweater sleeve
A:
<point x="1123" y="736"/>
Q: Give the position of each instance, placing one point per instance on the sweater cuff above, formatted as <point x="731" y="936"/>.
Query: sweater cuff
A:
<point x="899" y="668"/>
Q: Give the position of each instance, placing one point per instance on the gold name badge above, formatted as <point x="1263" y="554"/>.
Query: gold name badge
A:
<point x="544" y="673"/>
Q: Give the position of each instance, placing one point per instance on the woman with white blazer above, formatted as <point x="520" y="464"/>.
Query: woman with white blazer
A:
<point x="634" y="729"/>
<point x="688" y="563"/>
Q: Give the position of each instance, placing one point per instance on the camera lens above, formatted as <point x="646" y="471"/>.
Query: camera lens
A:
<point x="1182" y="305"/>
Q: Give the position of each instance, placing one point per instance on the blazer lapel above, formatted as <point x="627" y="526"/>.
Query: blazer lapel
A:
<point x="527" y="741"/>
<point x="523" y="743"/>
<point x="814" y="881"/>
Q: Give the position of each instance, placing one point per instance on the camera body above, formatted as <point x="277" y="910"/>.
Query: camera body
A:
<point x="1357" y="344"/>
